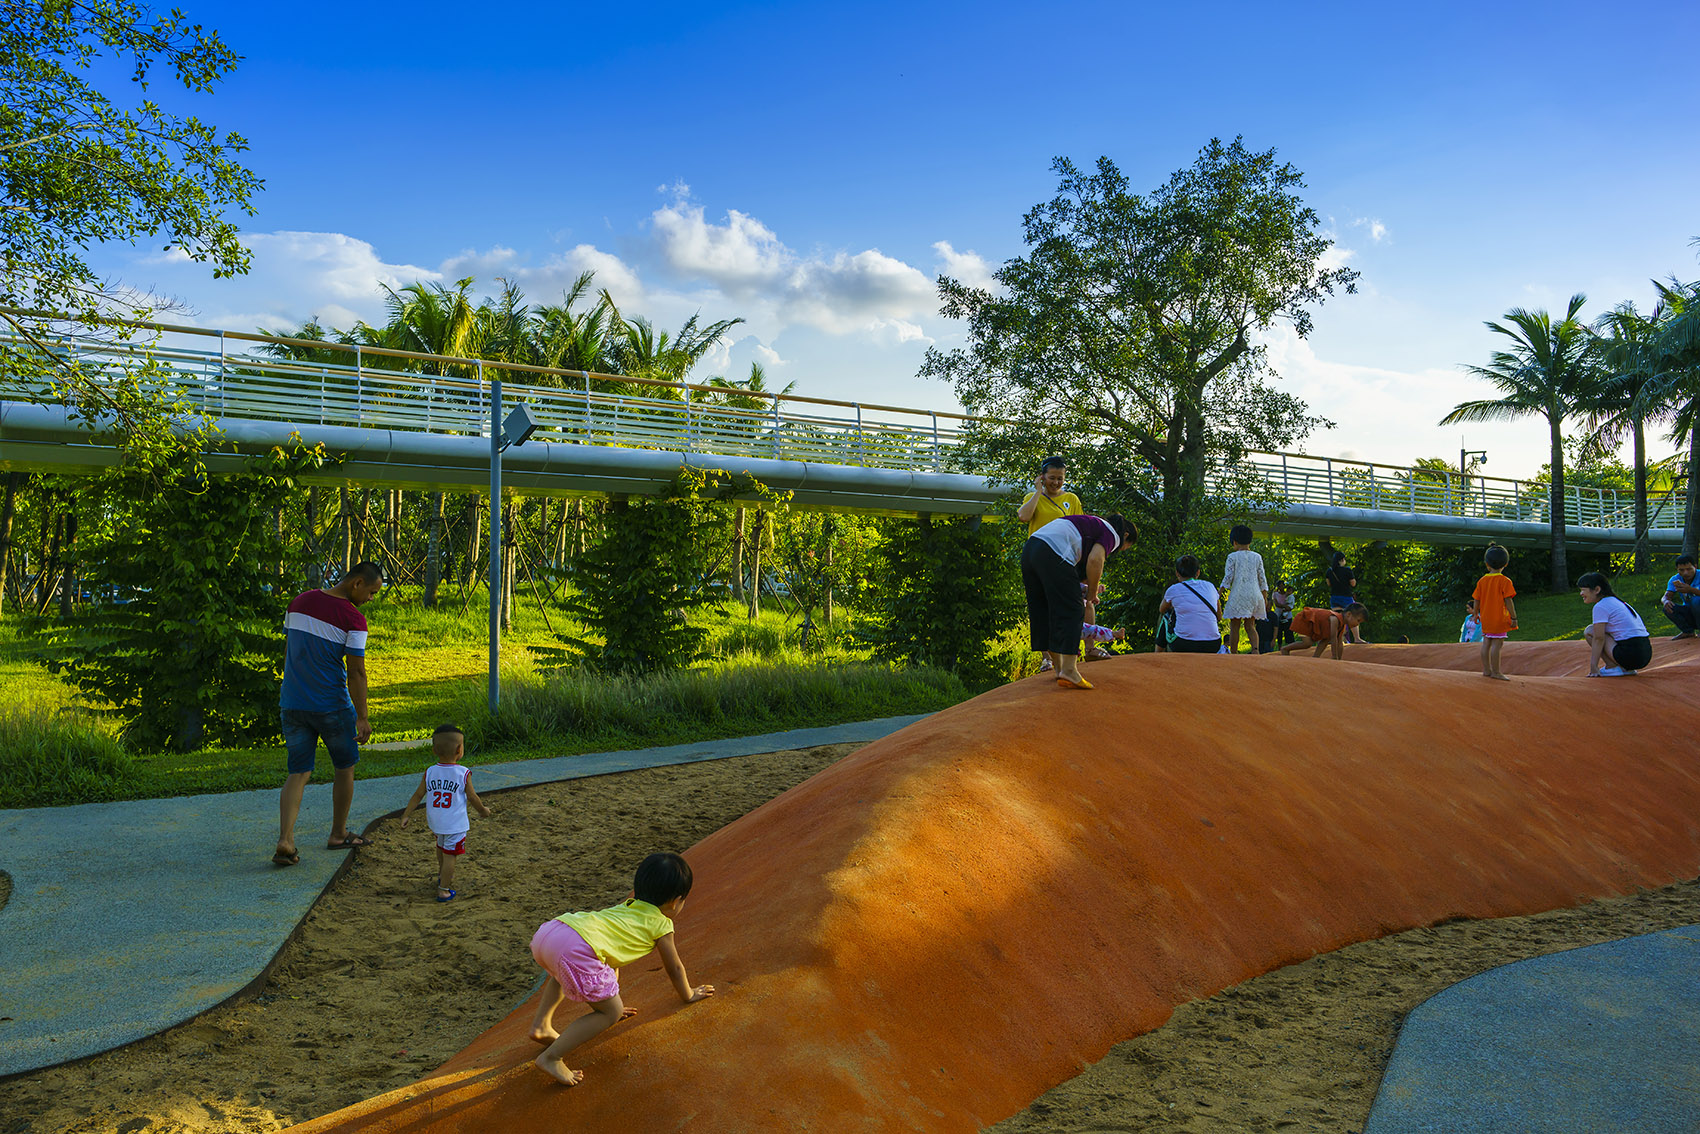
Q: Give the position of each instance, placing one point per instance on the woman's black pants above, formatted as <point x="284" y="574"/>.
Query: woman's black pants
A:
<point x="1055" y="606"/>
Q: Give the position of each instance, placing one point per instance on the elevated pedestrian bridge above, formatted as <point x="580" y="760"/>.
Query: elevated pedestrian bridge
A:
<point x="400" y="419"/>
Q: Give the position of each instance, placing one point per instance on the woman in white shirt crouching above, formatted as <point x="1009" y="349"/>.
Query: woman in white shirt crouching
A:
<point x="1616" y="630"/>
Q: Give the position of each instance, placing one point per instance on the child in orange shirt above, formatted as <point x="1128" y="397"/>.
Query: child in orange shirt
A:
<point x="1495" y="608"/>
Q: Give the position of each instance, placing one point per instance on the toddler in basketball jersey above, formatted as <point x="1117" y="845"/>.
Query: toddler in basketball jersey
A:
<point x="449" y="784"/>
<point x="582" y="954"/>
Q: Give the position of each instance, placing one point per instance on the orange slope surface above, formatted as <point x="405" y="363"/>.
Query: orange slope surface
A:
<point x="935" y="930"/>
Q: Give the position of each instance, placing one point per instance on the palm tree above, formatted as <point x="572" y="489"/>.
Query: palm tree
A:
<point x="1620" y="405"/>
<point x="1550" y="370"/>
<point x="1675" y="360"/>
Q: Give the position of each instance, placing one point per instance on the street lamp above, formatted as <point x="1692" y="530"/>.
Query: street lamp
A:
<point x="514" y="431"/>
<point x="1467" y="460"/>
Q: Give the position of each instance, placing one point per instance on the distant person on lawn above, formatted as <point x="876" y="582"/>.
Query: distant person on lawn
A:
<point x="324" y="698"/>
<point x="1682" y="599"/>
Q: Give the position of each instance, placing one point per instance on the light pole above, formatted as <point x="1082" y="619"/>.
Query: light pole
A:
<point x="514" y="431"/>
<point x="1467" y="460"/>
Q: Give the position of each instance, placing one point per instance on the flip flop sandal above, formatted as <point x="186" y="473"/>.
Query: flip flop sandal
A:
<point x="282" y="859"/>
<point x="349" y="842"/>
<point x="1065" y="683"/>
<point x="451" y="894"/>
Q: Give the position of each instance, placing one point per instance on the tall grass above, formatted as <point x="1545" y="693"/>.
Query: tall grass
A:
<point x="54" y="754"/>
<point x="580" y="708"/>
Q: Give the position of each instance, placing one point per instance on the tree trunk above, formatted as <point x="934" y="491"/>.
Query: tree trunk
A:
<point x="360" y="555"/>
<point x="506" y="598"/>
<point x="578" y="527"/>
<point x="738" y="555"/>
<point x="47" y="581"/>
<point x="475" y="527"/>
<point x="828" y="528"/>
<point x="68" y="589"/>
<point x="1643" y="550"/>
<point x="755" y="565"/>
<point x="561" y="533"/>
<point x="44" y="563"/>
<point x="1691" y="514"/>
<point x="315" y="558"/>
<point x="277" y="534"/>
<point x="433" y="550"/>
<point x="347" y="518"/>
<point x="1560" y="568"/>
<point x="8" y="512"/>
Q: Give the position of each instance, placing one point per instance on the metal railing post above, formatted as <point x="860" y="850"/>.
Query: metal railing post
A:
<point x="323" y="373"/>
<point x="775" y="428"/>
<point x="938" y="464"/>
<point x="223" y="380"/>
<point x="359" y="388"/>
<point x="687" y="392"/>
<point x="589" y="421"/>
<point x="861" y="444"/>
<point x="1329" y="463"/>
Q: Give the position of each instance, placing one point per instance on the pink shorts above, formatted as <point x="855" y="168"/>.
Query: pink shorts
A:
<point x="452" y="844"/>
<point x="565" y="956"/>
<point x="1494" y="637"/>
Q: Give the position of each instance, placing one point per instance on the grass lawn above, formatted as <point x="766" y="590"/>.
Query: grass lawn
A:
<point x="1546" y="617"/>
<point x="425" y="667"/>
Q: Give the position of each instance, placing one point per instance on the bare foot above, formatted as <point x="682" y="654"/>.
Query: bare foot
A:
<point x="1499" y="677"/>
<point x="627" y="1012"/>
<point x="559" y="1071"/>
<point x="544" y="1036"/>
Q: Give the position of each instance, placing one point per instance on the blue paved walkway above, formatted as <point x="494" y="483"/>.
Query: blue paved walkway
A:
<point x="157" y="910"/>
<point x="1602" y="1039"/>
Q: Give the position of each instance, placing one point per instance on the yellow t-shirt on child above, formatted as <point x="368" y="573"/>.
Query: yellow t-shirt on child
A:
<point x="1051" y="508"/>
<point x="620" y="934"/>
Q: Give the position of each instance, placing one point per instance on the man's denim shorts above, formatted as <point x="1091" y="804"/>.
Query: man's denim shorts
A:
<point x="303" y="729"/>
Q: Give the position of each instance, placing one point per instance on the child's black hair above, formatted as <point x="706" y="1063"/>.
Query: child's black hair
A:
<point x="1685" y="561"/>
<point x="661" y="878"/>
<point x="1497" y="557"/>
<point x="1358" y="609"/>
<point x="1594" y="579"/>
<point x="1050" y="463"/>
<point x="1187" y="566"/>
<point x="1240" y="534"/>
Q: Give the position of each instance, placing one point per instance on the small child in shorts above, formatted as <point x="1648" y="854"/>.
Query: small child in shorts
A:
<point x="1471" y="630"/>
<point x="1494" y="607"/>
<point x="583" y="952"/>
<point x="1095" y="635"/>
<point x="450" y="786"/>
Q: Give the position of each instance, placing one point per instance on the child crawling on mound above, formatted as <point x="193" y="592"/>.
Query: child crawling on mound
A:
<point x="1325" y="629"/>
<point x="581" y="953"/>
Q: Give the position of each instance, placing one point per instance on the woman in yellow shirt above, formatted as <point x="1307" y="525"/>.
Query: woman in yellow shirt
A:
<point x="1048" y="501"/>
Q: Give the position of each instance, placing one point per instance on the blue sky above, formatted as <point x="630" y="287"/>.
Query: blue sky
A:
<point x="814" y="168"/>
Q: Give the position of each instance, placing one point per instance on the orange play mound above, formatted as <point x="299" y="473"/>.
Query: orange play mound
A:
<point x="932" y="932"/>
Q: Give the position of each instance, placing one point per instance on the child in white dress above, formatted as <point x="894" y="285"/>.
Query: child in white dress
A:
<point x="1247" y="589"/>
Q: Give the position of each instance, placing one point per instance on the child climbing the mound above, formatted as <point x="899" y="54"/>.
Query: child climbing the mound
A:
<point x="581" y="953"/>
<point x="1325" y="629"/>
<point x="449" y="784"/>
<point x="1096" y="636"/>
<point x="1495" y="608"/>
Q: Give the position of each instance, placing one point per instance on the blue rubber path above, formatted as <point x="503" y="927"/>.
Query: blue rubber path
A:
<point x="128" y="918"/>
<point x="1601" y="1039"/>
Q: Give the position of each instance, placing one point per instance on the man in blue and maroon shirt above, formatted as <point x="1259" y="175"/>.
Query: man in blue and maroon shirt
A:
<point x="324" y="698"/>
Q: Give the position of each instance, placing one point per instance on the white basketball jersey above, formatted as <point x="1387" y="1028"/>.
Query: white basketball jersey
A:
<point x="445" y="798"/>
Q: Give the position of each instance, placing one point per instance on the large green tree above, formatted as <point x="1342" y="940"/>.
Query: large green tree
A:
<point x="1127" y="336"/>
<point x="1674" y="358"/>
<point x="1621" y="405"/>
<point x="82" y="166"/>
<point x="1550" y="369"/>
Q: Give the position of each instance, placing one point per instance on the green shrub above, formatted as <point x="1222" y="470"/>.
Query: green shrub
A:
<point x="552" y="706"/>
<point x="54" y="755"/>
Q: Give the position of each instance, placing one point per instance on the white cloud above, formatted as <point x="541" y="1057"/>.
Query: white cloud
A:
<point x="742" y="256"/>
<point x="767" y="356"/>
<point x="1393" y="416"/>
<point x="1376" y="230"/>
<point x="968" y="267"/>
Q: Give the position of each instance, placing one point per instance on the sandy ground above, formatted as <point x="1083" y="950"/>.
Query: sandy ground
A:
<point x="382" y="983"/>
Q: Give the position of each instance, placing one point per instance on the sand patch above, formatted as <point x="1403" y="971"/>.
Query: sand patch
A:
<point x="383" y="984"/>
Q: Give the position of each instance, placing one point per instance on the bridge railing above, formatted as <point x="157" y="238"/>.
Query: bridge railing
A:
<point x="378" y="388"/>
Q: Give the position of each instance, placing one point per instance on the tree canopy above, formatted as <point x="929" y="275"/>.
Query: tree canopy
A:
<point x="81" y="166"/>
<point x="1126" y="337"/>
